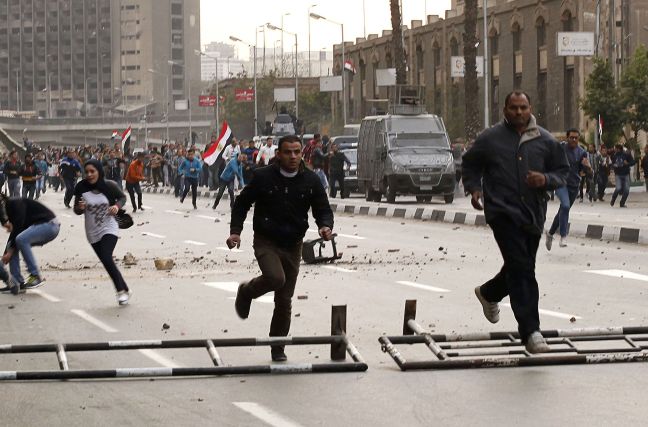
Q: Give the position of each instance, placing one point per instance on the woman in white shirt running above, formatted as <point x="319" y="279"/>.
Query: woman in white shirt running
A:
<point x="100" y="200"/>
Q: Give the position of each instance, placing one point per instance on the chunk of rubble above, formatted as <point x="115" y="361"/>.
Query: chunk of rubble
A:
<point x="129" y="259"/>
<point x="164" y="264"/>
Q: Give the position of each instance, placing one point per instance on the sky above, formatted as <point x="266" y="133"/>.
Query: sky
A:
<point x="221" y="19"/>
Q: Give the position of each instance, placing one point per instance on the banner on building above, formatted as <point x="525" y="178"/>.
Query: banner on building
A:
<point x="206" y="100"/>
<point x="181" y="104"/>
<point x="331" y="84"/>
<point x="284" y="94"/>
<point x="244" y="95"/>
<point x="575" y="44"/>
<point x="386" y="77"/>
<point x="458" y="66"/>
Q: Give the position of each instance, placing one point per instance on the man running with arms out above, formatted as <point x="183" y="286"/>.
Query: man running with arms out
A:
<point x="282" y="195"/>
<point x="518" y="162"/>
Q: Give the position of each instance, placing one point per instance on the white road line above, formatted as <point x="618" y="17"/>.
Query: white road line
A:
<point x="422" y="286"/>
<point x="66" y="215"/>
<point x="158" y="358"/>
<point x="346" y="236"/>
<point x="147" y="207"/>
<point x="174" y="212"/>
<point x="211" y="218"/>
<point x="193" y="242"/>
<point x="224" y="249"/>
<point x="264" y="414"/>
<point x="550" y="313"/>
<point x="622" y="274"/>
<point x="340" y="269"/>
<point x="45" y="295"/>
<point x="232" y="287"/>
<point x="98" y="323"/>
<point x="157" y="236"/>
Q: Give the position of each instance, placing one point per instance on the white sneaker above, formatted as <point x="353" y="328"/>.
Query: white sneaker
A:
<point x="563" y="242"/>
<point x="123" y="297"/>
<point x="549" y="240"/>
<point x="491" y="309"/>
<point x="537" y="344"/>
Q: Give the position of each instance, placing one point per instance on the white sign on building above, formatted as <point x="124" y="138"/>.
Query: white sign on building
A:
<point x="386" y="77"/>
<point x="284" y="94"/>
<point x="575" y="44"/>
<point x="458" y="66"/>
<point x="331" y="84"/>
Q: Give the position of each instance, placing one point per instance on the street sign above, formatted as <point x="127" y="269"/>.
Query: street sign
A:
<point x="458" y="66"/>
<point x="206" y="100"/>
<point x="181" y="104"/>
<point x="284" y="94"/>
<point x="575" y="44"/>
<point x="331" y="84"/>
<point x="244" y="95"/>
<point x="386" y="77"/>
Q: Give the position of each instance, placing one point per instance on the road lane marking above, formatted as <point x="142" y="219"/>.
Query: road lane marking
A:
<point x="224" y="249"/>
<point x="66" y="215"/>
<point x="422" y="286"/>
<point x="147" y="207"/>
<point x="193" y="242"/>
<point x="340" y="269"/>
<point x="90" y="319"/>
<point x="550" y="313"/>
<point x="347" y="236"/>
<point x="621" y="274"/>
<point x="158" y="358"/>
<point x="211" y="218"/>
<point x="232" y="287"/>
<point x="157" y="236"/>
<point x="45" y="295"/>
<point x="174" y="212"/>
<point x="264" y="414"/>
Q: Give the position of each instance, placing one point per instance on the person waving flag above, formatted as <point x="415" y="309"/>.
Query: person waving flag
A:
<point x="216" y="150"/>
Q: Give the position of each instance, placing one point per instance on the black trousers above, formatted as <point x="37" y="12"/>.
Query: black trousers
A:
<point x="221" y="190"/>
<point x="132" y="189"/>
<point x="193" y="183"/>
<point x="69" y="190"/>
<point x="157" y="176"/>
<point x="339" y="177"/>
<point x="279" y="271"/>
<point x="104" y="249"/>
<point x="517" y="277"/>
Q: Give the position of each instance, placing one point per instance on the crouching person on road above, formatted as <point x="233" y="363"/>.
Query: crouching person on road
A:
<point x="517" y="162"/>
<point x="30" y="224"/>
<point x="282" y="194"/>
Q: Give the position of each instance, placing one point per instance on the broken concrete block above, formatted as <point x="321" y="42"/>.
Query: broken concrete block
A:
<point x="164" y="263"/>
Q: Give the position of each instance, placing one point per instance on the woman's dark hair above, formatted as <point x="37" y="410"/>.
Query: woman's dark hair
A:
<point x="288" y="139"/>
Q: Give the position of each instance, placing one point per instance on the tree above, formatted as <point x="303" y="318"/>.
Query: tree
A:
<point x="634" y="87"/>
<point x="397" y="42"/>
<point x="471" y="118"/>
<point x="602" y="97"/>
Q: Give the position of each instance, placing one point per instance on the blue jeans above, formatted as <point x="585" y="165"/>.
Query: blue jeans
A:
<point x="40" y="186"/>
<point x="567" y="197"/>
<point x="14" y="187"/>
<point x="35" y="235"/>
<point x="622" y="187"/>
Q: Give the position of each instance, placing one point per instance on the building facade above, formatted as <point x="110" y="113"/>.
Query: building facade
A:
<point x="71" y="58"/>
<point x="522" y="37"/>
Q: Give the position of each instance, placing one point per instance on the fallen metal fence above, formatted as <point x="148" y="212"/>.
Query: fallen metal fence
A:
<point x="339" y="342"/>
<point x="504" y="349"/>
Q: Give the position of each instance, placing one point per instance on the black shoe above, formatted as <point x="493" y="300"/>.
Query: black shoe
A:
<point x="134" y="210"/>
<point x="181" y="199"/>
<point x="242" y="303"/>
<point x="623" y="206"/>
<point x="141" y="208"/>
<point x="612" y="202"/>
<point x="278" y="354"/>
<point x="195" y="207"/>
<point x="67" y="205"/>
<point x="215" y="206"/>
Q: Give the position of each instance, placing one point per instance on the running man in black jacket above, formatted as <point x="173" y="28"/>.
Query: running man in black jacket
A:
<point x="514" y="164"/>
<point x="282" y="195"/>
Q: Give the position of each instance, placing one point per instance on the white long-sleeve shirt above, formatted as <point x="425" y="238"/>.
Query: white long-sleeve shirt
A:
<point x="229" y="151"/>
<point x="266" y="154"/>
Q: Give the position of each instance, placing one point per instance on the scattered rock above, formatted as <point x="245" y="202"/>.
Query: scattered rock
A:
<point x="302" y="296"/>
<point x="572" y="320"/>
<point x="11" y="307"/>
<point x="440" y="248"/>
<point x="298" y="315"/>
<point x="352" y="246"/>
<point x="166" y="326"/>
<point x="393" y="250"/>
<point x="164" y="263"/>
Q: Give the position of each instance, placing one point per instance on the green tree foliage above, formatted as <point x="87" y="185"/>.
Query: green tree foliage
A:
<point x="602" y="97"/>
<point x="634" y="90"/>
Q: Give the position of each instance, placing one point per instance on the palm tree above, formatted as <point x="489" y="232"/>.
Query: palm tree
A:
<point x="397" y="41"/>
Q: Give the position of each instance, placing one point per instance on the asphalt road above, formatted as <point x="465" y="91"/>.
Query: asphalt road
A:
<point x="439" y="264"/>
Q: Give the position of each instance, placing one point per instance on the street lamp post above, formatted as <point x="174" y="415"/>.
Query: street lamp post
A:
<point x="186" y="71"/>
<point x="256" y="118"/>
<point x="309" y="40"/>
<point x="344" y="100"/>
<point x="273" y="27"/>
<point x="166" y="92"/>
<point x="282" y="43"/>
<point x="215" y="58"/>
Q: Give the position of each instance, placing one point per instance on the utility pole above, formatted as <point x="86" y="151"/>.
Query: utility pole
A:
<point x="486" y="69"/>
<point x="471" y="118"/>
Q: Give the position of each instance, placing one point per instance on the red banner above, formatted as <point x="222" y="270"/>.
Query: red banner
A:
<point x="206" y="101"/>
<point x="244" y="95"/>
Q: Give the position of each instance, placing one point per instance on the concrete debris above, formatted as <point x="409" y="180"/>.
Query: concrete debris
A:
<point x="393" y="250"/>
<point x="164" y="263"/>
<point x="166" y="326"/>
<point x="11" y="307"/>
<point x="572" y="320"/>
<point x="129" y="259"/>
<point x="302" y="296"/>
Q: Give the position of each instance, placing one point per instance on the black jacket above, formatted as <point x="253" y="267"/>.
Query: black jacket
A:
<point x="12" y="170"/>
<point x="282" y="205"/>
<point x="619" y="163"/>
<point x="23" y="213"/>
<point x="500" y="159"/>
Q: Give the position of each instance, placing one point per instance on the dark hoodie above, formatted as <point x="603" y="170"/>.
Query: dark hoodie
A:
<point x="108" y="188"/>
<point x="22" y="214"/>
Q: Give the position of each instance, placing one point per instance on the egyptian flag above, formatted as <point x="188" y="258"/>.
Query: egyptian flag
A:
<point x="115" y="134"/>
<point x="216" y="150"/>
<point x="125" y="140"/>
<point x="348" y="65"/>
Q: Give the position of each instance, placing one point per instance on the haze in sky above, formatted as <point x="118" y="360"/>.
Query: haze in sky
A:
<point x="221" y="19"/>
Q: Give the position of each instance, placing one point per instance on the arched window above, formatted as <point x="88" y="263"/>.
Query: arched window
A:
<point x="517" y="56"/>
<point x="493" y="45"/>
<point x="420" y="65"/>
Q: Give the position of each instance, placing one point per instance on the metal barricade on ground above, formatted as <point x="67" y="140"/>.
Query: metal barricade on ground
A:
<point x="340" y="347"/>
<point x="504" y="349"/>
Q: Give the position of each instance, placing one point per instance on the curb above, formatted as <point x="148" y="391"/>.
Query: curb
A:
<point x="588" y="231"/>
